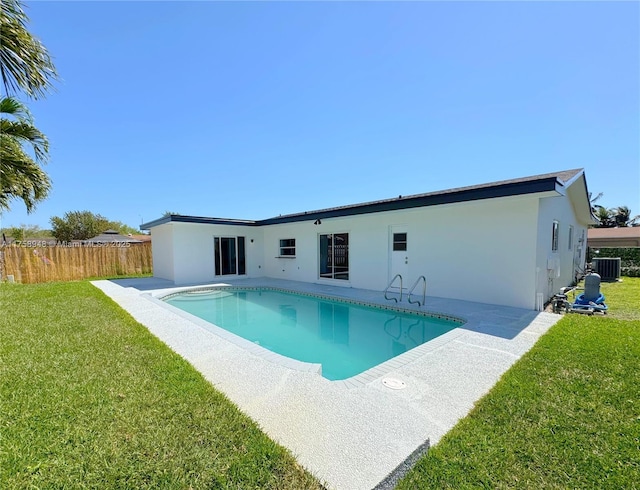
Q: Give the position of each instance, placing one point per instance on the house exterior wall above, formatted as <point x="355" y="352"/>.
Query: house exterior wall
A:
<point x="557" y="269"/>
<point x="480" y="251"/>
<point x="495" y="250"/>
<point x="301" y="268"/>
<point x="162" y="252"/>
<point x="194" y="251"/>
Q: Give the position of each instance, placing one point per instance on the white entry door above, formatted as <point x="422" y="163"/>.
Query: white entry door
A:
<point x="399" y="258"/>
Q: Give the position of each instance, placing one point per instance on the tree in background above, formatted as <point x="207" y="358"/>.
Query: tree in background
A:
<point x="122" y="228"/>
<point x="81" y="225"/>
<point x="16" y="233"/>
<point x="26" y="232"/>
<point x="25" y="67"/>
<point x="78" y="225"/>
<point x="605" y="217"/>
<point x="614" y="217"/>
<point x="622" y="217"/>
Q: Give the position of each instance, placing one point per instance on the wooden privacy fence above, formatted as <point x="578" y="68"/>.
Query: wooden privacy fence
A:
<point x="28" y="264"/>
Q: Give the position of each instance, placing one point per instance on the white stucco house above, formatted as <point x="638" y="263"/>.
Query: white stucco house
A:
<point x="512" y="243"/>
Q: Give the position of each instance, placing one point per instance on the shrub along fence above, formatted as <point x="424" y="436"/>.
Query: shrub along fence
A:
<point x="629" y="258"/>
<point x="34" y="264"/>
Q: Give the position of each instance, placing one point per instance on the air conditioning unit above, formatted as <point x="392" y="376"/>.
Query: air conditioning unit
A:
<point x="607" y="267"/>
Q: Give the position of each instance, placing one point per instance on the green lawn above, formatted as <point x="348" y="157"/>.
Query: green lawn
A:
<point x="623" y="298"/>
<point x="90" y="399"/>
<point x="567" y="415"/>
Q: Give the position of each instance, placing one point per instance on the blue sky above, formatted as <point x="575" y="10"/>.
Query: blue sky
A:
<point x="254" y="109"/>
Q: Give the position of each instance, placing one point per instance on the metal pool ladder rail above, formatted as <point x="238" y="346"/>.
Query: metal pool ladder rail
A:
<point x="391" y="285"/>
<point x="424" y="291"/>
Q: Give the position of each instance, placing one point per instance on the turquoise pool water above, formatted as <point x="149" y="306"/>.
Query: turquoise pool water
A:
<point x="345" y="338"/>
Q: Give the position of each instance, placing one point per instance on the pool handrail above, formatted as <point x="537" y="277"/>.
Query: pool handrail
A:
<point x="424" y="291"/>
<point x="389" y="287"/>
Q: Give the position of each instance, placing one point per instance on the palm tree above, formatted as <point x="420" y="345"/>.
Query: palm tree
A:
<point x="25" y="67"/>
<point x="622" y="217"/>
<point x="25" y="63"/>
<point x="21" y="176"/>
<point x="592" y="201"/>
<point x="605" y="217"/>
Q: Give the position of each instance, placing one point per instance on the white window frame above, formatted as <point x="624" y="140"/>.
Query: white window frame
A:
<point x="555" y="235"/>
<point x="570" y="247"/>
<point x="285" y="250"/>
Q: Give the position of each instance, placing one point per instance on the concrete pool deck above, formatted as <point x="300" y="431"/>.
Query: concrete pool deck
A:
<point x="353" y="434"/>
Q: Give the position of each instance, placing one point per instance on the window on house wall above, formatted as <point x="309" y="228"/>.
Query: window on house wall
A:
<point x="570" y="237"/>
<point x="399" y="242"/>
<point x="229" y="256"/>
<point x="554" y="236"/>
<point x="334" y="256"/>
<point x="288" y="247"/>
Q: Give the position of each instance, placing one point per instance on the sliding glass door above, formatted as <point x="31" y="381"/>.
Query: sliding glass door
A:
<point x="229" y="255"/>
<point x="334" y="256"/>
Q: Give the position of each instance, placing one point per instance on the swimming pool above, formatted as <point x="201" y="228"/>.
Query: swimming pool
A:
<point x="345" y="337"/>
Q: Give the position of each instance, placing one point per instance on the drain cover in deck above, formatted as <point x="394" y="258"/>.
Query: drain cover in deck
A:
<point x="394" y="384"/>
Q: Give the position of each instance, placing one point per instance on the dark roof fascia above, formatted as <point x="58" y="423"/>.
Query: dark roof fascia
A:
<point x="175" y="218"/>
<point x="423" y="200"/>
<point x="505" y="189"/>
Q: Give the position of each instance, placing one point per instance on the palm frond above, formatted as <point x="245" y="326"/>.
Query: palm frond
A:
<point x="21" y="176"/>
<point x="25" y="180"/>
<point x="25" y="63"/>
<point x="594" y="199"/>
<point x="10" y="106"/>
<point x="25" y="133"/>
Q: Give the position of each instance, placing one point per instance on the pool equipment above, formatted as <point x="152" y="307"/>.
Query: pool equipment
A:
<point x="592" y="300"/>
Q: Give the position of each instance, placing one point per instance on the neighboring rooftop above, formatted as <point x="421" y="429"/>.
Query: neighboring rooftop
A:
<point x="111" y="236"/>
<point x="613" y="237"/>
<point x="142" y="238"/>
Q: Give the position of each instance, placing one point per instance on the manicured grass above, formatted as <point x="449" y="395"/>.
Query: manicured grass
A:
<point x="90" y="399"/>
<point x="567" y="415"/>
<point x="624" y="296"/>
